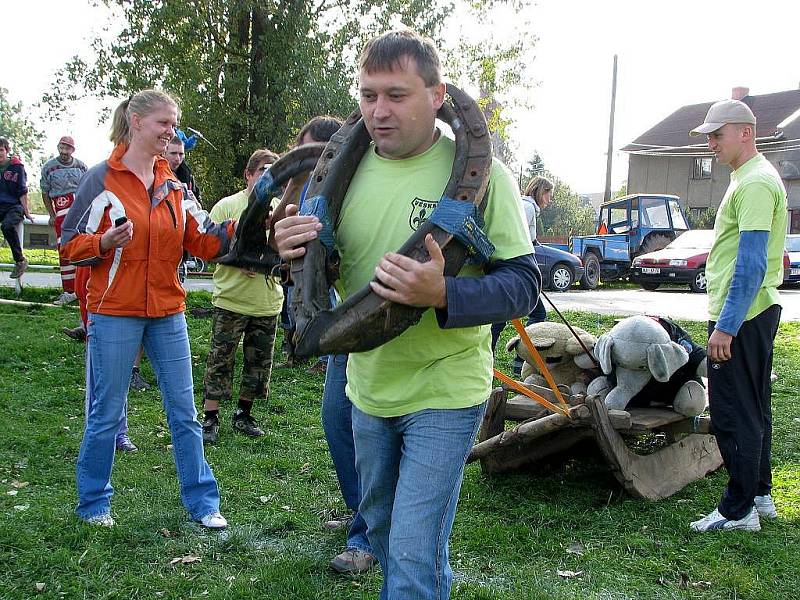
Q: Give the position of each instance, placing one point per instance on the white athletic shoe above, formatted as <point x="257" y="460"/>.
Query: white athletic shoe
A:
<point x="766" y="507"/>
<point x="65" y="298"/>
<point x="715" y="521"/>
<point x="103" y="520"/>
<point x="214" y="521"/>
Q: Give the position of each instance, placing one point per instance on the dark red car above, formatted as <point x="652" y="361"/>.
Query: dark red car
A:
<point x="683" y="261"/>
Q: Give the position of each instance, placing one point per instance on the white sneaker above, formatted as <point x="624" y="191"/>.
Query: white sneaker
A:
<point x="103" y="520"/>
<point x="765" y="507"/>
<point x="65" y="298"/>
<point x="714" y="521"/>
<point x="214" y="521"/>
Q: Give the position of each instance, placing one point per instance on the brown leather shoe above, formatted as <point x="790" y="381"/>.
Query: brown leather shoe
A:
<point x="318" y="368"/>
<point x="353" y="562"/>
<point x="78" y="333"/>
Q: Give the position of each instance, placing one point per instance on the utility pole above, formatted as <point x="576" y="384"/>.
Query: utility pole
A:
<point x="609" y="157"/>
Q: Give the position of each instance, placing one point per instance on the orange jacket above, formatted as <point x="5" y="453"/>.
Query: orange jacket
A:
<point x="140" y="279"/>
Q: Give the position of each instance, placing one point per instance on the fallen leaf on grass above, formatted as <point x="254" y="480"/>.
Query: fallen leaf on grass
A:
<point x="264" y="499"/>
<point x="576" y="548"/>
<point x="305" y="468"/>
<point x="157" y="468"/>
<point x="567" y="574"/>
<point x="12" y="493"/>
<point x="19" y="484"/>
<point x="165" y="532"/>
<point x="185" y="560"/>
<point x="21" y="507"/>
<point x="40" y="587"/>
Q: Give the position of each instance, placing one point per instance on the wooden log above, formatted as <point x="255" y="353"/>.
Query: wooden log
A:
<point x="530" y="430"/>
<point x="522" y="408"/>
<point x="658" y="475"/>
<point x="527" y="452"/>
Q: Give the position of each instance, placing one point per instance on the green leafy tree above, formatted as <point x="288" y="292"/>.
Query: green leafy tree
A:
<point x="567" y="214"/>
<point x="18" y="128"/>
<point x="530" y="169"/>
<point x="246" y="73"/>
<point x="702" y="219"/>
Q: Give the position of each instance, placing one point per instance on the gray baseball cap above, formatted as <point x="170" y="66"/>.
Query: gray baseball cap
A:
<point x="723" y="112"/>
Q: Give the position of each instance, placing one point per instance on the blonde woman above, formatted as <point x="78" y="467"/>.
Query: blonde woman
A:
<point x="130" y="223"/>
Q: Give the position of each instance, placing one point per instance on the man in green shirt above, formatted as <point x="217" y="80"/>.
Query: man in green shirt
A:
<point x="744" y="269"/>
<point x="418" y="399"/>
<point x="245" y="304"/>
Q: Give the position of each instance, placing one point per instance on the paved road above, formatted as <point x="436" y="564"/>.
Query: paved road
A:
<point x="53" y="280"/>
<point x="675" y="302"/>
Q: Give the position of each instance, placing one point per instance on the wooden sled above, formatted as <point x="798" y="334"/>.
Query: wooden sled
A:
<point x="691" y="452"/>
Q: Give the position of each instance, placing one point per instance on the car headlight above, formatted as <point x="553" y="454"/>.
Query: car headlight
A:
<point x="637" y="262"/>
<point x="677" y="263"/>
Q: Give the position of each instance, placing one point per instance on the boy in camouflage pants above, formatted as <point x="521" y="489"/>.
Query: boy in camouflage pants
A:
<point x="246" y="304"/>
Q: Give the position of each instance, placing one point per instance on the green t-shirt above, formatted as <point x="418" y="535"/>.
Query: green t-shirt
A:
<point x="754" y="201"/>
<point x="257" y="296"/>
<point x="426" y="366"/>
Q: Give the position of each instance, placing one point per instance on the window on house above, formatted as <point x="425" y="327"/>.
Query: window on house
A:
<point x="702" y="168"/>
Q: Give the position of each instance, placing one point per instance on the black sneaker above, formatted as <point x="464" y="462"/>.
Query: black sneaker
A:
<point x="210" y="431"/>
<point x="138" y="383"/>
<point x="246" y="424"/>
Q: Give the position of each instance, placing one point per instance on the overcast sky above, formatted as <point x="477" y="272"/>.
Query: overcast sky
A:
<point x="670" y="54"/>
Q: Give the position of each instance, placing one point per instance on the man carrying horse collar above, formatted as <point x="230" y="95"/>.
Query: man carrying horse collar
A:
<point x="419" y="398"/>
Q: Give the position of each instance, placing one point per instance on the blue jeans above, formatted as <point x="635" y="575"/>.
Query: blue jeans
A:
<point x="123" y="426"/>
<point x="411" y="469"/>
<point x="113" y="344"/>
<point x="338" y="425"/>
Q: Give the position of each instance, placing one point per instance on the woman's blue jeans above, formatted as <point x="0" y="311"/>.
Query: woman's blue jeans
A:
<point x="411" y="468"/>
<point x="338" y="425"/>
<point x="87" y="406"/>
<point x="113" y="344"/>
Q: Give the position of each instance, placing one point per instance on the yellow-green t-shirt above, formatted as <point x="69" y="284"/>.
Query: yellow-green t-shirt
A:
<point x="754" y="201"/>
<point x="257" y="296"/>
<point x="426" y="366"/>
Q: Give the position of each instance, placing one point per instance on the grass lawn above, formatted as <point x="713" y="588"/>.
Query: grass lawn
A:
<point x="512" y="533"/>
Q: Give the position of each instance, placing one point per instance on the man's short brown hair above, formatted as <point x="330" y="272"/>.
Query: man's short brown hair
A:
<point x="5" y="143"/>
<point x="385" y="53"/>
<point x="261" y="155"/>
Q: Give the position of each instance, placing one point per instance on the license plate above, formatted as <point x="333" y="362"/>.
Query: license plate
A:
<point x="794" y="271"/>
<point x="651" y="270"/>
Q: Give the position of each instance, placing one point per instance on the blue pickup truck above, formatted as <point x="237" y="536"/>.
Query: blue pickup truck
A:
<point x="628" y="226"/>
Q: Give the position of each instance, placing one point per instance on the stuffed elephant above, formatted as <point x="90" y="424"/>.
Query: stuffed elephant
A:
<point x="638" y="350"/>
<point x="566" y="360"/>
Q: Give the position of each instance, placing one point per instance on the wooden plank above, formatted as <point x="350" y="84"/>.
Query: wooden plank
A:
<point x="658" y="475"/>
<point x="495" y="415"/>
<point x="648" y="418"/>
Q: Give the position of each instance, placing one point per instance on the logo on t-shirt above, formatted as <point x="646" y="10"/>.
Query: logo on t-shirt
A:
<point x="420" y="211"/>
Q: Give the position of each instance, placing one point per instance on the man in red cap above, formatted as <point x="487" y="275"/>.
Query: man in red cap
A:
<point x="60" y="178"/>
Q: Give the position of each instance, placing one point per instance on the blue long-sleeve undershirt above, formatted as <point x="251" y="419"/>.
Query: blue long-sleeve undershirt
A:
<point x="509" y="288"/>
<point x="748" y="275"/>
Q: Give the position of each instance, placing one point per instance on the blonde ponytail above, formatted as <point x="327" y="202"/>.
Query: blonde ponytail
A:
<point x="142" y="104"/>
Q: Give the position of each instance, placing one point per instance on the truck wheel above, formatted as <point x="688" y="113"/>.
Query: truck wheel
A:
<point x="560" y="277"/>
<point x="698" y="283"/>
<point x="591" y="272"/>
<point x="649" y="285"/>
<point x="654" y="241"/>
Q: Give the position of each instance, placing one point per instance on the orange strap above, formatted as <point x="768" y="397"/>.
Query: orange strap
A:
<point x="515" y="385"/>
<point x="525" y="339"/>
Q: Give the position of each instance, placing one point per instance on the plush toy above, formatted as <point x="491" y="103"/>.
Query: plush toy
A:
<point x="647" y="360"/>
<point x="566" y="360"/>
